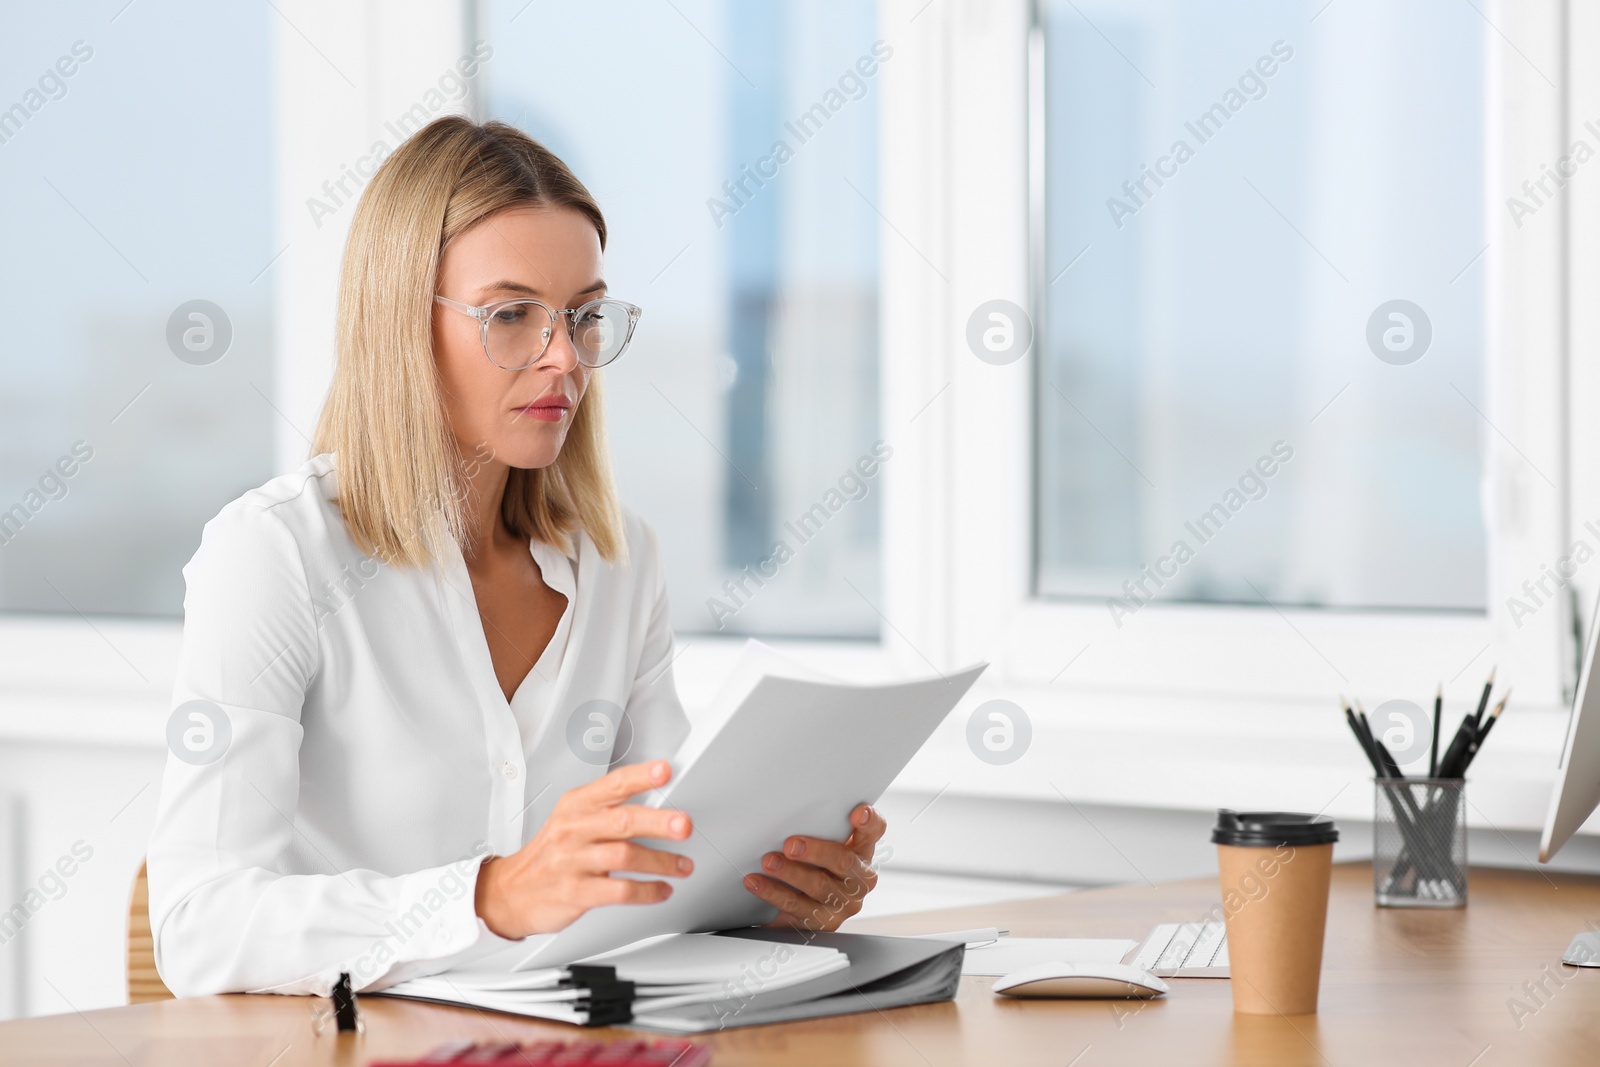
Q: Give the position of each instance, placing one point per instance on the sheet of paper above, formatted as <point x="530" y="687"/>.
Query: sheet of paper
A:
<point x="676" y="959"/>
<point x="1014" y="953"/>
<point x="699" y="958"/>
<point x="794" y="758"/>
<point x="757" y="660"/>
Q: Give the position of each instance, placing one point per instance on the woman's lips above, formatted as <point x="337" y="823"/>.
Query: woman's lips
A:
<point x="545" y="411"/>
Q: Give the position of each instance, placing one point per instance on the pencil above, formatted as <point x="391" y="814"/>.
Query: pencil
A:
<point x="1392" y="768"/>
<point x="1483" y="701"/>
<point x="1360" y="738"/>
<point x="1450" y="766"/>
<point x="1407" y="815"/>
<point x="1350" y="719"/>
<point x="1380" y="774"/>
<point x="1433" y="757"/>
<point x="1365" y="729"/>
<point x="1477" y="743"/>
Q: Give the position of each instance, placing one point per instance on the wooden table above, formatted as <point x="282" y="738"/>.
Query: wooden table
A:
<point x="1399" y="987"/>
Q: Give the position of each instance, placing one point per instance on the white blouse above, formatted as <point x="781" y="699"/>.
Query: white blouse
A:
<point x="368" y="758"/>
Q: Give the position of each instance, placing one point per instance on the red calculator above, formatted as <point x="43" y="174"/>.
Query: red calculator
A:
<point x="580" y="1052"/>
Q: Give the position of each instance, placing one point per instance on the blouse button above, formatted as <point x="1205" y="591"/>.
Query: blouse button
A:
<point x="510" y="769"/>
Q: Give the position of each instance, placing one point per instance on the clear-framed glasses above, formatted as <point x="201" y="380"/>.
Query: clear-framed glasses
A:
<point x="516" y="332"/>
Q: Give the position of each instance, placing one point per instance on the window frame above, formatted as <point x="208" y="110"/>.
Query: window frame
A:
<point x="958" y="524"/>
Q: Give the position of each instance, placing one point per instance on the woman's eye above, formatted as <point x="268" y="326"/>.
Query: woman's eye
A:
<point x="510" y="316"/>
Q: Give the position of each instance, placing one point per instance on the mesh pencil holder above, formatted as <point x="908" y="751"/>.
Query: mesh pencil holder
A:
<point x="1419" y="842"/>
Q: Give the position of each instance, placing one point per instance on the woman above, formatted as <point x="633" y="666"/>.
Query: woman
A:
<point x="384" y="649"/>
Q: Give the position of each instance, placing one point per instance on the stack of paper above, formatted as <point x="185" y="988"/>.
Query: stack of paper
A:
<point x="671" y="972"/>
<point x="693" y="983"/>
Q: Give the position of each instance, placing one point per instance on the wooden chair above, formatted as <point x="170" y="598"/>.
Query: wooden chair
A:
<point x="144" y="984"/>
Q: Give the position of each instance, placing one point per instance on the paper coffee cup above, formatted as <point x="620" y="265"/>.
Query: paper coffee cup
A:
<point x="1275" y="871"/>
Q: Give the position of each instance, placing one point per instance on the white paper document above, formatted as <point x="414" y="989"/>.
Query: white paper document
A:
<point x="670" y="972"/>
<point x="990" y="951"/>
<point x="780" y="752"/>
<point x="1010" y="954"/>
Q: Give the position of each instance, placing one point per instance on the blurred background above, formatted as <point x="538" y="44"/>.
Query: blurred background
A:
<point x="1171" y="352"/>
<point x="1199" y="221"/>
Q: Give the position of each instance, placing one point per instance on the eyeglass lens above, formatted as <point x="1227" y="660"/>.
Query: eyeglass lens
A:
<point x="519" y="333"/>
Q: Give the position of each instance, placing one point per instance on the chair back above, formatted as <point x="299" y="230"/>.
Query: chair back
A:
<point x="144" y="984"/>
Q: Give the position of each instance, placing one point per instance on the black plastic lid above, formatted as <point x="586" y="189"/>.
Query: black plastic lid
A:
<point x="1269" y="829"/>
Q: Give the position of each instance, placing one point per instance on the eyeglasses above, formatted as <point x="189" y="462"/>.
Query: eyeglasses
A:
<point x="517" y="332"/>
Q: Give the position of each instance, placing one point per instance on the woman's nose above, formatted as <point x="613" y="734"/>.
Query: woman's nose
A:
<point x="560" y="349"/>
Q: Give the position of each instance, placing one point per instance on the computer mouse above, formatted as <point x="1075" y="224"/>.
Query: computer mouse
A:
<point x="1057" y="979"/>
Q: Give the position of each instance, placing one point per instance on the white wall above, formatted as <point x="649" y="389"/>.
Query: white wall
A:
<point x="83" y="712"/>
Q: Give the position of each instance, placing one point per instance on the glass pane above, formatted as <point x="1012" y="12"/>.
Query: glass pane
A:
<point x="1236" y="195"/>
<point x="137" y="169"/>
<point x="739" y="203"/>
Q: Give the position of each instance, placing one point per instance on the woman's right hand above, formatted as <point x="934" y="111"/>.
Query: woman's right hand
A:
<point x="566" y="869"/>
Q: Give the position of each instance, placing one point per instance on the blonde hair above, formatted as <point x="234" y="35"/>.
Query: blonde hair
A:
<point x="402" y="486"/>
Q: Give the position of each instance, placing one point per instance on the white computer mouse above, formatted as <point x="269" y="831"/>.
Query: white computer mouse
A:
<point x="1057" y="979"/>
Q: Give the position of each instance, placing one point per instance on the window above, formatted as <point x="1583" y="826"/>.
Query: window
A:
<point x="134" y="296"/>
<point x="733" y="148"/>
<point x="1263" y="293"/>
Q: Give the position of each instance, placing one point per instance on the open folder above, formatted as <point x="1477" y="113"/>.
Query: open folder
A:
<point x="780" y="751"/>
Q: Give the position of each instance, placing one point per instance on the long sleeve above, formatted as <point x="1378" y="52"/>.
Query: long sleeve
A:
<point x="231" y="905"/>
<point x="653" y="705"/>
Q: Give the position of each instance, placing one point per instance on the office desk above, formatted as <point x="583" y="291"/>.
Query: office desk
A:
<point x="1399" y="987"/>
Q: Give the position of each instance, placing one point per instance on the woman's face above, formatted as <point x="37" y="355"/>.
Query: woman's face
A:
<point x="518" y="418"/>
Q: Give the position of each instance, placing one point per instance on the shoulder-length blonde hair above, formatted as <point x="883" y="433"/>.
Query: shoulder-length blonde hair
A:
<point x="401" y="476"/>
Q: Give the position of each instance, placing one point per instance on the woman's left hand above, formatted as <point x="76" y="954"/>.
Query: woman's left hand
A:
<point x="817" y="884"/>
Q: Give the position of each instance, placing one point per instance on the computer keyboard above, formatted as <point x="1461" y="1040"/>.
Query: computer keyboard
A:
<point x="1185" y="950"/>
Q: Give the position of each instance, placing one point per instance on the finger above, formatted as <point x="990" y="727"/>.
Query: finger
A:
<point x="825" y="891"/>
<point x="599" y="892"/>
<point x="626" y="856"/>
<point x="867" y="828"/>
<point x="635" y="820"/>
<point x="797" y="908"/>
<point x="832" y="856"/>
<point x="614" y="787"/>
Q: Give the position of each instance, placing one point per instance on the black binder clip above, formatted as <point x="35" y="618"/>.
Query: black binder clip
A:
<point x="607" y="1000"/>
<point x="344" y="1006"/>
<point x="346" y="1014"/>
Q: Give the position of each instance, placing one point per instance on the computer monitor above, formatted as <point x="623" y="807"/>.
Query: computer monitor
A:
<point x="1577" y="791"/>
